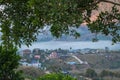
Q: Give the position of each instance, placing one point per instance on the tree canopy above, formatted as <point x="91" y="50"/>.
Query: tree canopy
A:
<point x="21" y="20"/>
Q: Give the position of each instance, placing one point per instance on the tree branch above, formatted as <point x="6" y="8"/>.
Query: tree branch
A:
<point x="118" y="4"/>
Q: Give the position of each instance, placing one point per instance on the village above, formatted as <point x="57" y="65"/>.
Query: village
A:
<point x="67" y="59"/>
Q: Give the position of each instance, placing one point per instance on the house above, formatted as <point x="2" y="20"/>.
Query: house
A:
<point x="37" y="56"/>
<point x="37" y="65"/>
<point x="26" y="54"/>
<point x="53" y="55"/>
<point x="71" y="63"/>
<point x="24" y="63"/>
<point x="26" y="51"/>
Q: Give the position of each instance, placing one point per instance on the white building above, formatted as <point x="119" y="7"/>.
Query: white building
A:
<point x="37" y="65"/>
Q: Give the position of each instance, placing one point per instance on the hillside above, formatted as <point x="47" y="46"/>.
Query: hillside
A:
<point x="102" y="61"/>
<point x="103" y="7"/>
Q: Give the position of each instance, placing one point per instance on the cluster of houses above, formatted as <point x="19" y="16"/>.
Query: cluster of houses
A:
<point x="92" y="51"/>
<point x="36" y="57"/>
<point x="33" y="58"/>
<point x="29" y="58"/>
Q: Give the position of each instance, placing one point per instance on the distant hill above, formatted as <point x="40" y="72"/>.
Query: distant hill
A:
<point x="85" y="33"/>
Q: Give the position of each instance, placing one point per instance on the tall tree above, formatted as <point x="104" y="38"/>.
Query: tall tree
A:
<point x="22" y="20"/>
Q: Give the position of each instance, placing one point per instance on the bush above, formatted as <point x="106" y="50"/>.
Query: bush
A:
<point x="91" y="73"/>
<point x="8" y="63"/>
<point x="55" y="76"/>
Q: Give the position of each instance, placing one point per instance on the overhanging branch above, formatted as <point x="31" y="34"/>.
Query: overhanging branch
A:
<point x="107" y="1"/>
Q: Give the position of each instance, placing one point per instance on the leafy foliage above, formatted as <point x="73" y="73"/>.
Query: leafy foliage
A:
<point x="91" y="73"/>
<point x="54" y="76"/>
<point x="22" y="20"/>
<point x="108" y="23"/>
<point x="105" y="73"/>
<point x="8" y="63"/>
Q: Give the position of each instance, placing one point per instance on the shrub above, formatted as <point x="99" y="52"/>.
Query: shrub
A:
<point x="91" y="73"/>
<point x="8" y="63"/>
<point x="55" y="76"/>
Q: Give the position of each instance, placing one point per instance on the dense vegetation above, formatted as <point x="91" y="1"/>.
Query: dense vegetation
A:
<point x="22" y="20"/>
<point x="8" y="63"/>
<point x="54" y="76"/>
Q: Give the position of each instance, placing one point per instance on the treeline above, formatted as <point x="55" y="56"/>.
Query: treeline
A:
<point x="105" y="73"/>
<point x="36" y="74"/>
<point x="91" y="73"/>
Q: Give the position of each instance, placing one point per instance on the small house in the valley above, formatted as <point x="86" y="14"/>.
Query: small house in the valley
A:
<point x="36" y="64"/>
<point x="37" y="56"/>
<point x="53" y="55"/>
<point x="26" y="53"/>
